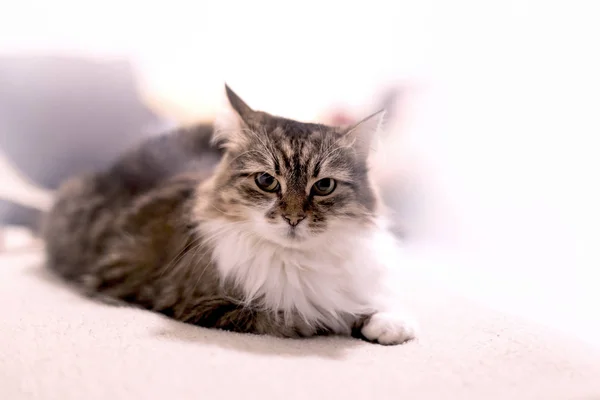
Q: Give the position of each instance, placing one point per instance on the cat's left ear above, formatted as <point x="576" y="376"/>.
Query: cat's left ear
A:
<point x="360" y="136"/>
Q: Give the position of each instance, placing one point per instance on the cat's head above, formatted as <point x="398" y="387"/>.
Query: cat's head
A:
<point x="291" y="182"/>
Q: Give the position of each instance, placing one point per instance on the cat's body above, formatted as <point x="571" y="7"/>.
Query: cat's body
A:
<point x="283" y="238"/>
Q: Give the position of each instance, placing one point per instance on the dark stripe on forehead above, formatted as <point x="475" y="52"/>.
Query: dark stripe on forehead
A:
<point x="317" y="169"/>
<point x="297" y="163"/>
<point x="277" y="166"/>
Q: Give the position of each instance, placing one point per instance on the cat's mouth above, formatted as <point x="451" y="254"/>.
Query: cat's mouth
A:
<point x="284" y="235"/>
<point x="291" y="237"/>
<point x="292" y="234"/>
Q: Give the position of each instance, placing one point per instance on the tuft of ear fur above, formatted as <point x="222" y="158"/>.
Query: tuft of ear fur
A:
<point x="360" y="136"/>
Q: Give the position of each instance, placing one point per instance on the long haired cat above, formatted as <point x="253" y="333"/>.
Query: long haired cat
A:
<point x="285" y="237"/>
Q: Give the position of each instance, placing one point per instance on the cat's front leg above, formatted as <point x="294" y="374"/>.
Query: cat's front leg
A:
<point x="388" y="327"/>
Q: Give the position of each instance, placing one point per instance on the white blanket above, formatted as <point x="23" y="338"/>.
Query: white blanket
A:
<point x="55" y="344"/>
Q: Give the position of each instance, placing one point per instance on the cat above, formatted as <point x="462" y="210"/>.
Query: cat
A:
<point x="284" y="237"/>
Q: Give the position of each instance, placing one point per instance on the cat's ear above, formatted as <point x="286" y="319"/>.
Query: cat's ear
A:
<point x="360" y="136"/>
<point x="233" y="122"/>
<point x="246" y="114"/>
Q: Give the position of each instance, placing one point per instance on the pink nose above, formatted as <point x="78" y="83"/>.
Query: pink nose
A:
<point x="294" y="219"/>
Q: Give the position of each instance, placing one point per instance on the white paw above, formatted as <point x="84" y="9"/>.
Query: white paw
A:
<point x="389" y="328"/>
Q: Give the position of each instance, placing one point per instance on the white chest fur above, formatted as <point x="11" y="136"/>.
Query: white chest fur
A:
<point x="337" y="276"/>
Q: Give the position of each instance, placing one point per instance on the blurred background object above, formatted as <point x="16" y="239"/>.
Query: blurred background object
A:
<point x="62" y="116"/>
<point x="489" y="161"/>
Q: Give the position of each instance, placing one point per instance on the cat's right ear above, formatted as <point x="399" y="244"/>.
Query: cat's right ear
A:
<point x="233" y="123"/>
<point x="246" y="114"/>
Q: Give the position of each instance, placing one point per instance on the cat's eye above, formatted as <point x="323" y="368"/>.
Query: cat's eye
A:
<point x="267" y="182"/>
<point x="324" y="187"/>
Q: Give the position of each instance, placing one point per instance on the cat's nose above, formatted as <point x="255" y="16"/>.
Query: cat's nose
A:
<point x="294" y="219"/>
